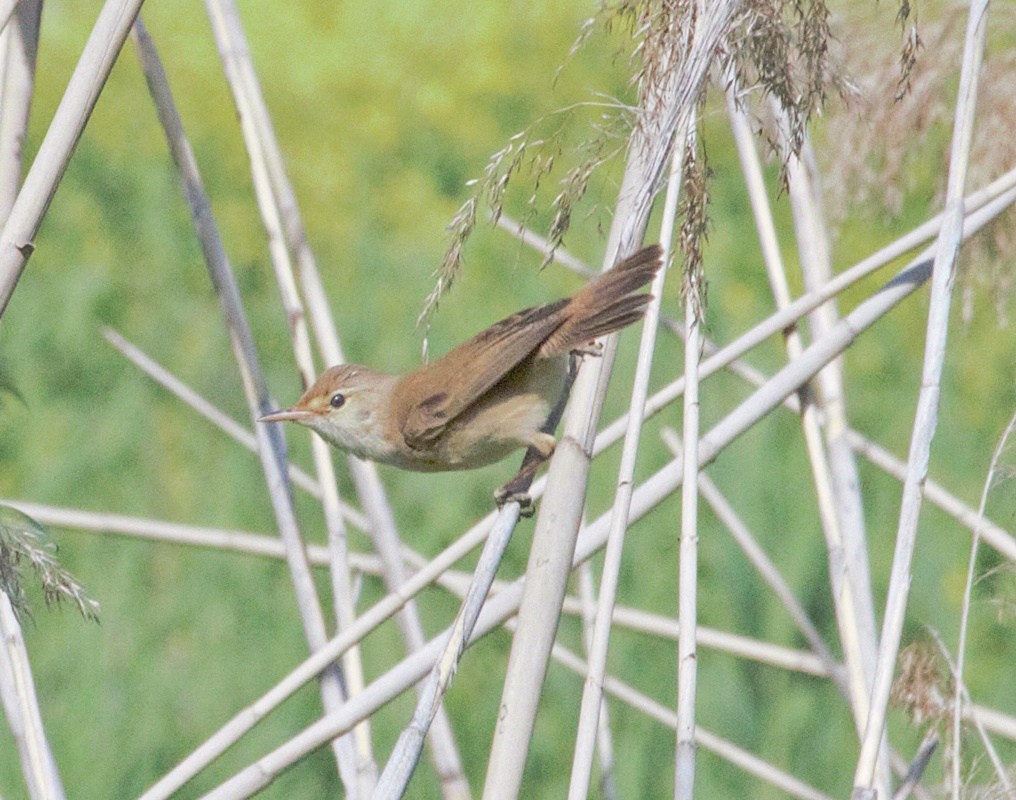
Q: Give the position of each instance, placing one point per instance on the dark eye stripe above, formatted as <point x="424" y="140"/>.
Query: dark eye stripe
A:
<point x="434" y="400"/>
<point x="337" y="400"/>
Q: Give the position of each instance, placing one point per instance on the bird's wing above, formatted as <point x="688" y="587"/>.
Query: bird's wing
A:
<point x="475" y="366"/>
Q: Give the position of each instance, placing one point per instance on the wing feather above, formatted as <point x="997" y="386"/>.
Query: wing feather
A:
<point x="426" y="406"/>
<point x="429" y="407"/>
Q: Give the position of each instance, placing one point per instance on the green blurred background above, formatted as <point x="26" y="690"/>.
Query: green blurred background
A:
<point x="384" y="112"/>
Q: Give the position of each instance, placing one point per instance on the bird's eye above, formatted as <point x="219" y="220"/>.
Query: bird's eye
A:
<point x="337" y="400"/>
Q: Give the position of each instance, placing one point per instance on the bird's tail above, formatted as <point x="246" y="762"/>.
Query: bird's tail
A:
<point x="608" y="303"/>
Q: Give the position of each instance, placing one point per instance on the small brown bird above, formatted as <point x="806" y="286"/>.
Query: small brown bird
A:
<point x="484" y="399"/>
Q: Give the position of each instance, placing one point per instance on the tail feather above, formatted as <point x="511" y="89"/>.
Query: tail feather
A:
<point x="630" y="275"/>
<point x="622" y="313"/>
<point x="607" y="304"/>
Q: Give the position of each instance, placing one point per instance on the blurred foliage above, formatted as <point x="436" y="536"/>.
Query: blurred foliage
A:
<point x="385" y="111"/>
<point x="23" y="543"/>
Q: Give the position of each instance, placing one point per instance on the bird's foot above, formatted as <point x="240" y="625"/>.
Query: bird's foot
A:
<point x="517" y="491"/>
<point x="591" y="349"/>
<point x="505" y="495"/>
<point x="541" y="447"/>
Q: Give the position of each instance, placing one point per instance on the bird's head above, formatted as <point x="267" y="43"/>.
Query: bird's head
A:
<point x="347" y="406"/>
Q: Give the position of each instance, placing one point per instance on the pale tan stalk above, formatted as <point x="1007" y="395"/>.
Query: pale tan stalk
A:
<point x="728" y="751"/>
<point x="160" y="531"/>
<point x="22" y="224"/>
<point x="7" y="9"/>
<point x="271" y="447"/>
<point x="688" y="550"/>
<point x="592" y="696"/>
<point x="687" y="589"/>
<point x="816" y="265"/>
<point x="307" y="670"/>
<point x="854" y="616"/>
<point x="239" y="68"/>
<point x="848" y="558"/>
<point x="604" y="736"/>
<point x="254" y="544"/>
<point x="365" y="766"/>
<point x="402" y="763"/>
<point x="763" y="565"/>
<point x="667" y="628"/>
<point x="925" y="420"/>
<point x="237" y="541"/>
<point x="21" y="707"/>
<point x="20" y="46"/>
<point x="665" y="104"/>
<point x="1000" y="195"/>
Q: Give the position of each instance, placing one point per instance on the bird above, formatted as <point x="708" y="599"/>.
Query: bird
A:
<point x="496" y="393"/>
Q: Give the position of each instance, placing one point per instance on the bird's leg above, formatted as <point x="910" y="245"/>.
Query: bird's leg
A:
<point x="591" y="349"/>
<point x="540" y="449"/>
<point x="517" y="489"/>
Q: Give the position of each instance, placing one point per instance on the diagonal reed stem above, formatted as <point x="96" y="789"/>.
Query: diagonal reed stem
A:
<point x="659" y="485"/>
<point x="604" y="734"/>
<point x="591" y="702"/>
<point x="239" y="68"/>
<point x="1002" y="194"/>
<point x="667" y="98"/>
<point x="406" y="755"/>
<point x="361" y="783"/>
<point x="271" y="447"/>
<point x="925" y="419"/>
<point x="21" y="706"/>
<point x="97" y="59"/>
<point x="849" y="581"/>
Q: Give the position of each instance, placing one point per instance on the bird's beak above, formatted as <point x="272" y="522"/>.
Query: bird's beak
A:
<point x="289" y="414"/>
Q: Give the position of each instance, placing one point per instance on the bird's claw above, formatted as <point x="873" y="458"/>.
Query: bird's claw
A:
<point x="506" y="494"/>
